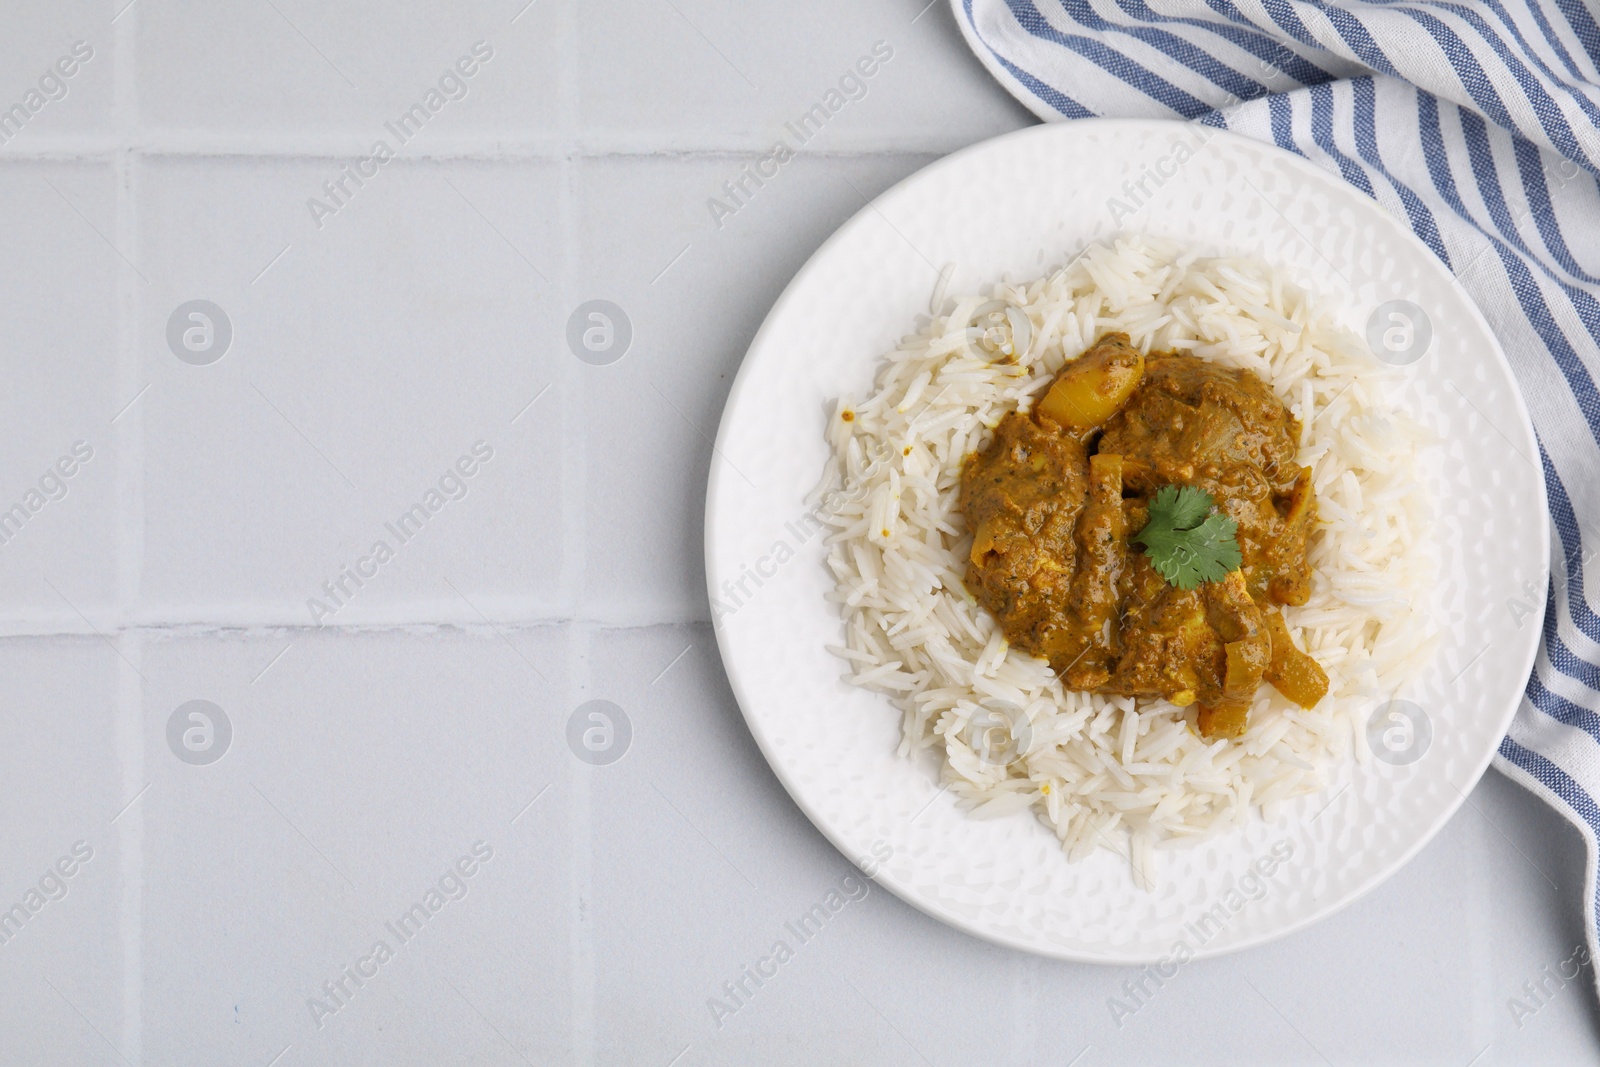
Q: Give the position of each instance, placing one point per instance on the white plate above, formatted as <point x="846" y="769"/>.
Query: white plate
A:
<point x="1017" y="206"/>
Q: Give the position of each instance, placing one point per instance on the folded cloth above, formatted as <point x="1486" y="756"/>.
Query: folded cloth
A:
<point x="1478" y="123"/>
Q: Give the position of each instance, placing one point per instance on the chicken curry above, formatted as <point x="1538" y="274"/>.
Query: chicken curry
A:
<point x="1059" y="501"/>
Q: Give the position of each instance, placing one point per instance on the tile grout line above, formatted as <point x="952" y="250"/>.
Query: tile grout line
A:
<point x="129" y="439"/>
<point x="130" y="849"/>
<point x="97" y="148"/>
<point x="580" y="822"/>
<point x="465" y="622"/>
<point x="574" y="491"/>
<point x="571" y="407"/>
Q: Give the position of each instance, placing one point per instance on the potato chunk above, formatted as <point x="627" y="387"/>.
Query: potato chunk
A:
<point x="1091" y="388"/>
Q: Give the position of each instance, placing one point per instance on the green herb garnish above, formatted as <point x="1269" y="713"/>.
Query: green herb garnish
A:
<point x="1186" y="543"/>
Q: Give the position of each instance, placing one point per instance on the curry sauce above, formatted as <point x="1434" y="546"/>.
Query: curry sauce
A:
<point x="1053" y="502"/>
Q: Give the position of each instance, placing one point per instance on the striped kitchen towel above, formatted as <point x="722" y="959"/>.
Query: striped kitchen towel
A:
<point x="1477" y="122"/>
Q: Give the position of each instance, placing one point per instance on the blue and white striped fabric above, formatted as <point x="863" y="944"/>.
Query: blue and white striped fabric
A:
<point x="1479" y="123"/>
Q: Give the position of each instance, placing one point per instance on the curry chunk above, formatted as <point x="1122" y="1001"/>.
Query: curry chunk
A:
<point x="1192" y="422"/>
<point x="1022" y="500"/>
<point x="1053" y="501"/>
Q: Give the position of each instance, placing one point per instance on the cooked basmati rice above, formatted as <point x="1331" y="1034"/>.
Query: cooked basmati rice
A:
<point x="1103" y="771"/>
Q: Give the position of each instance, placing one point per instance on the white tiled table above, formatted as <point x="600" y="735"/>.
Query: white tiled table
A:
<point x="368" y="756"/>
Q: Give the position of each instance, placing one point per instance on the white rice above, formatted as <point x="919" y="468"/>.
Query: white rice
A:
<point x="1101" y="771"/>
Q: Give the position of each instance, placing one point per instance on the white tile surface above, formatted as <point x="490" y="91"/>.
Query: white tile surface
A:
<point x="268" y="871"/>
<point x="367" y="361"/>
<point x="725" y="72"/>
<point x="368" y="354"/>
<point x="61" y="273"/>
<point x="63" y="53"/>
<point x="305" y="69"/>
<point x="700" y="820"/>
<point x="63" y="973"/>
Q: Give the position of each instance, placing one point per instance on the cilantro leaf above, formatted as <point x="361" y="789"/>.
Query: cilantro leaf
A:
<point x="1186" y="544"/>
<point x="1184" y="505"/>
